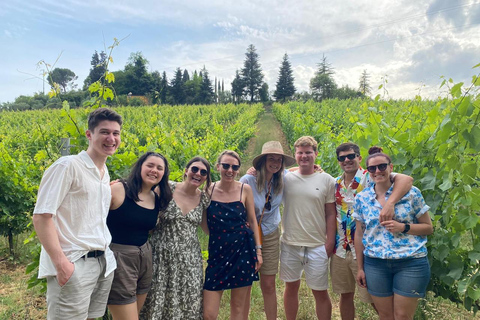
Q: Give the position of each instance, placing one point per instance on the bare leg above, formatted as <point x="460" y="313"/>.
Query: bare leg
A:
<point x="384" y="306"/>
<point x="347" y="307"/>
<point x="404" y="307"/>
<point x="211" y="304"/>
<point x="246" y="306"/>
<point x="323" y="306"/>
<point x="124" y="311"/>
<point x="237" y="303"/>
<point x="290" y="299"/>
<point x="267" y="283"/>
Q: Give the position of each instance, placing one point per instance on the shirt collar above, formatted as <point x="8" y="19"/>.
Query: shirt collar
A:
<point x="86" y="159"/>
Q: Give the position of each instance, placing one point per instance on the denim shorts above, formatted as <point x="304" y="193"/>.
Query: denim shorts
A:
<point x="405" y="277"/>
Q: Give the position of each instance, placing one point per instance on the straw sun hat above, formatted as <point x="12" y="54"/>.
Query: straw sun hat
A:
<point x="272" y="147"/>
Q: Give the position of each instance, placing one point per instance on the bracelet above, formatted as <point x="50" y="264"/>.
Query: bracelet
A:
<point x="258" y="247"/>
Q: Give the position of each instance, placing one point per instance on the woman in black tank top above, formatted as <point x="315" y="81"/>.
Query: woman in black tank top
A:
<point x="133" y="213"/>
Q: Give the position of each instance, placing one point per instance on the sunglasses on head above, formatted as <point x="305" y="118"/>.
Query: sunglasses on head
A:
<point x="382" y="167"/>
<point x="350" y="156"/>
<point x="195" y="169"/>
<point x="227" y="166"/>
<point x="268" y="204"/>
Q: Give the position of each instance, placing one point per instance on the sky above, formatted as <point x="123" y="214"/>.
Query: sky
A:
<point x="408" y="45"/>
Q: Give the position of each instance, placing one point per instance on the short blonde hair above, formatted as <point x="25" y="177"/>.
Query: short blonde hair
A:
<point x="306" y="141"/>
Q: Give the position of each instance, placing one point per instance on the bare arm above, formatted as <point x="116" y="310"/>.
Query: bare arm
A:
<point x="361" y="280"/>
<point x="47" y="234"/>
<point x="422" y="228"/>
<point x="403" y="184"/>
<point x="331" y="223"/>
<point x="204" y="224"/>
<point x="252" y="220"/>
<point x="118" y="195"/>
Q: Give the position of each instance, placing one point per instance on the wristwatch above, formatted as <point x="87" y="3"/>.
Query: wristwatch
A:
<point x="407" y="228"/>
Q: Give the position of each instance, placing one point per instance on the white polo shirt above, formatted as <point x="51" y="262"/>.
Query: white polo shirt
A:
<point x="304" y="197"/>
<point x="71" y="190"/>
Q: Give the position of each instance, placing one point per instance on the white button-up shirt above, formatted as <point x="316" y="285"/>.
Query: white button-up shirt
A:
<point x="72" y="190"/>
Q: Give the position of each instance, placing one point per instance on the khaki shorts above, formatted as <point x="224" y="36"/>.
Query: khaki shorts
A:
<point x="85" y="293"/>
<point x="133" y="275"/>
<point x="271" y="253"/>
<point x="343" y="273"/>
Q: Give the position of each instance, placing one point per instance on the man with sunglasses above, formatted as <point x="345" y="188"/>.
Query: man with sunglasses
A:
<point x="343" y="267"/>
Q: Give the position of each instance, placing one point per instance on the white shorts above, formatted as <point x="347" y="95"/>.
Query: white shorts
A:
<point x="312" y="260"/>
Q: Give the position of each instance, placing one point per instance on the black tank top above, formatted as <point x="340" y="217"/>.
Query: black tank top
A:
<point x="130" y="223"/>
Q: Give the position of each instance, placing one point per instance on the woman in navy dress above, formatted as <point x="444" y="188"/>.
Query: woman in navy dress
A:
<point x="234" y="251"/>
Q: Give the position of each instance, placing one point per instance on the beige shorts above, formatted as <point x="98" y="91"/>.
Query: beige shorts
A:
<point x="343" y="273"/>
<point x="271" y="253"/>
<point x="85" y="293"/>
<point x="133" y="275"/>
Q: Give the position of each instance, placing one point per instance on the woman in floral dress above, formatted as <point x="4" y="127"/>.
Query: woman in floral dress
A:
<point x="177" y="284"/>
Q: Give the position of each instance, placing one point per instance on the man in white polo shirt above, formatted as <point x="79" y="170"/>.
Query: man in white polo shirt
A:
<point x="308" y="235"/>
<point x="70" y="221"/>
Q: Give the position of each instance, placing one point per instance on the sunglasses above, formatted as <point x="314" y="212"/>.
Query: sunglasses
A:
<point x="203" y="172"/>
<point x="227" y="166"/>
<point x="350" y="156"/>
<point x="382" y="167"/>
<point x="268" y="204"/>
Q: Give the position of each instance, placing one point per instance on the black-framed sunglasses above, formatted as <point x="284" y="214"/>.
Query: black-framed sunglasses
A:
<point x="227" y="166"/>
<point x="268" y="204"/>
<point x="350" y="156"/>
<point x="382" y="167"/>
<point x="195" y="169"/>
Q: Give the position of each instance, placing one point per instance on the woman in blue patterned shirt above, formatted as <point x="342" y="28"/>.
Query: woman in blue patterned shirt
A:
<point x="391" y="255"/>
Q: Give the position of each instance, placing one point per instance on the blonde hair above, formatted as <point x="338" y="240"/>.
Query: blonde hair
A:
<point x="230" y="153"/>
<point x="306" y="141"/>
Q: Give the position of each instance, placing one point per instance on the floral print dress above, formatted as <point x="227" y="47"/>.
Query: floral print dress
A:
<point x="176" y="291"/>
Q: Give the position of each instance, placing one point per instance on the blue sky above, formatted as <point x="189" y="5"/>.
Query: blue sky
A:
<point x="411" y="43"/>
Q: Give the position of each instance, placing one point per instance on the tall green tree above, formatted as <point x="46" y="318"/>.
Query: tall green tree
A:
<point x="163" y="88"/>
<point x="322" y="84"/>
<point x="237" y="87"/>
<point x="364" y="84"/>
<point x="177" y="88"/>
<point x="63" y="77"/>
<point x="97" y="70"/>
<point x="139" y="81"/>
<point x="252" y="75"/>
<point x="185" y="76"/>
<point x="285" y="87"/>
<point x="207" y="94"/>
<point x="263" y="93"/>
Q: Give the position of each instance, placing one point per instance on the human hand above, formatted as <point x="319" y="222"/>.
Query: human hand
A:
<point x="114" y="182"/>
<point x="252" y="171"/>
<point x="361" y="280"/>
<point x="388" y="212"/>
<point x="329" y="246"/>
<point x="259" y="261"/>
<point x="317" y="168"/>
<point x="64" y="272"/>
<point x="393" y="226"/>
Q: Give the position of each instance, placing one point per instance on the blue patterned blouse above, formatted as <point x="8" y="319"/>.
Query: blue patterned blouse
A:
<point x="377" y="240"/>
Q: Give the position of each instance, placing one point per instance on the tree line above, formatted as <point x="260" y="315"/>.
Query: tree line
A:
<point x="135" y="85"/>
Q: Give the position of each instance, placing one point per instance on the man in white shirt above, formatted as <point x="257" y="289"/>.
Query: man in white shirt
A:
<point x="308" y="235"/>
<point x="70" y="221"/>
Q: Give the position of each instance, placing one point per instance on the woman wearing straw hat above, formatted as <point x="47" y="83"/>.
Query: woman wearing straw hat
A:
<point x="267" y="187"/>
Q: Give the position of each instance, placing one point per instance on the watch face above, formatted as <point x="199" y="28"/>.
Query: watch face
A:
<point x="407" y="228"/>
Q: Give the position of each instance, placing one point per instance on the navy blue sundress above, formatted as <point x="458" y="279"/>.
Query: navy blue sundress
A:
<point x="231" y="247"/>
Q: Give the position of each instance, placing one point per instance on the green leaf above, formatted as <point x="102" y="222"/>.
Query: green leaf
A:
<point x="456" y="90"/>
<point x="456" y="269"/>
<point x="474" y="256"/>
<point x="474" y="294"/>
<point x="428" y="181"/>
